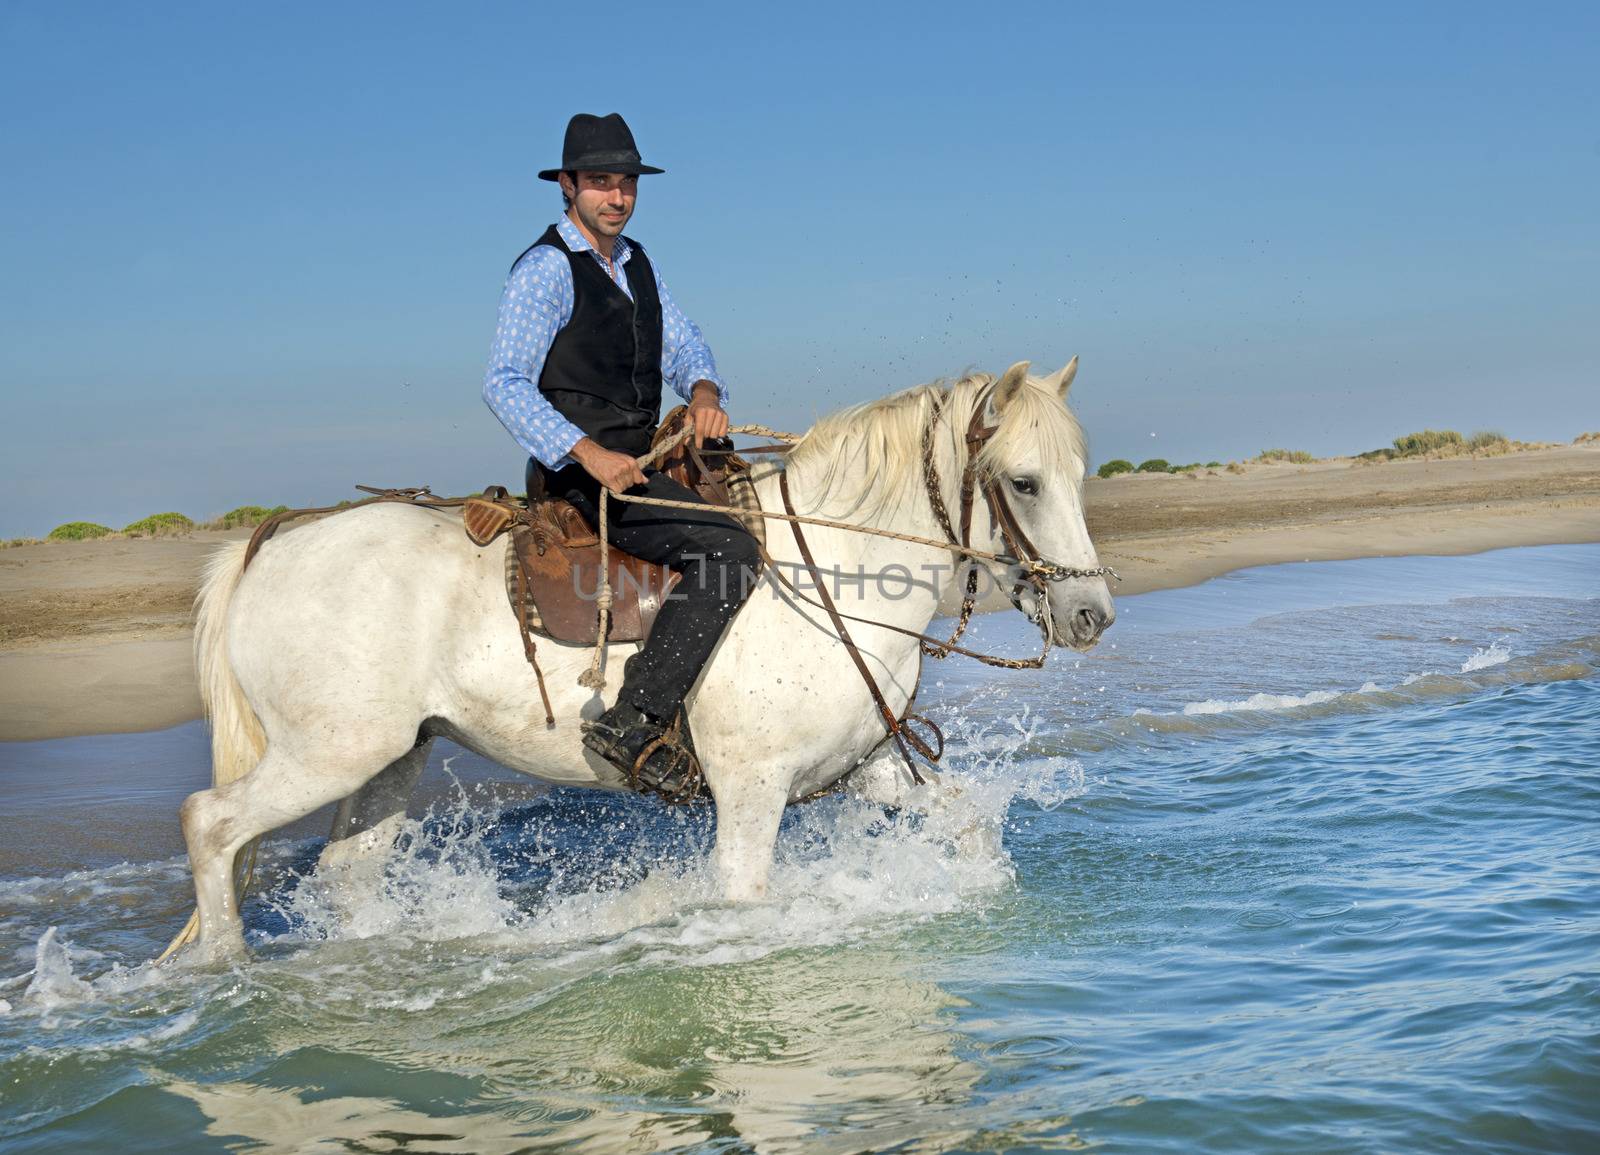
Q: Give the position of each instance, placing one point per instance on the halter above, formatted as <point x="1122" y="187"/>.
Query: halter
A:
<point x="1036" y="571"/>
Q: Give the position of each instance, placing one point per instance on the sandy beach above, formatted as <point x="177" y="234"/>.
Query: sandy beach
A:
<point x="95" y="635"/>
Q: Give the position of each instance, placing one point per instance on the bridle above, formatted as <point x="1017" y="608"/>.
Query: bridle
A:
<point x="1035" y="571"/>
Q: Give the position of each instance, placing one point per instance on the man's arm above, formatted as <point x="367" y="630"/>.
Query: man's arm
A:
<point x="688" y="367"/>
<point x="536" y="304"/>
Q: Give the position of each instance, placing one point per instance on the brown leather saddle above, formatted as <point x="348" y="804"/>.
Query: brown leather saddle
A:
<point x="553" y="562"/>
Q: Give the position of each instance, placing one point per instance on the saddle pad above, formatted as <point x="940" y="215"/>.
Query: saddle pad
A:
<point x="520" y="594"/>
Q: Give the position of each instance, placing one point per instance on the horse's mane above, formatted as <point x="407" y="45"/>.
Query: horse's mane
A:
<point x="885" y="437"/>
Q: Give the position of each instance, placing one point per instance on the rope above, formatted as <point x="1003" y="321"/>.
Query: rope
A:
<point x="594" y="678"/>
<point x="874" y="531"/>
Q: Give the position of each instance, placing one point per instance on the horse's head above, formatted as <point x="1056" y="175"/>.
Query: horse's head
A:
<point x="1031" y="462"/>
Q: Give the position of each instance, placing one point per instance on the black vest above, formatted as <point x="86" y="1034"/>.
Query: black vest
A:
<point x="603" y="372"/>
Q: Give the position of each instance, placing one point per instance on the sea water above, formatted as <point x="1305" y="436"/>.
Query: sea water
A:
<point x="1301" y="859"/>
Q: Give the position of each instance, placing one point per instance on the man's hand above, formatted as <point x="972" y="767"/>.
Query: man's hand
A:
<point x="615" y="471"/>
<point x="706" y="414"/>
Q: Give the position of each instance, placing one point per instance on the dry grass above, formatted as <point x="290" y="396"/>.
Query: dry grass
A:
<point x="1283" y="456"/>
<point x="1426" y="441"/>
<point x="1438" y="444"/>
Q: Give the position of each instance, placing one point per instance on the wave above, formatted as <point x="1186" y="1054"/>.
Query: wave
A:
<point x="1495" y="654"/>
<point x="1270" y="701"/>
<point x="1488" y="668"/>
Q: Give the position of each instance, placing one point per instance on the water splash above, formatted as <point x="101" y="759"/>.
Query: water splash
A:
<point x="512" y="877"/>
<point x="1484" y="657"/>
<point x="54" y="984"/>
<point x="438" y="882"/>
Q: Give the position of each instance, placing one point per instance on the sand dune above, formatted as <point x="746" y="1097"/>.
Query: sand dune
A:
<point x="94" y="635"/>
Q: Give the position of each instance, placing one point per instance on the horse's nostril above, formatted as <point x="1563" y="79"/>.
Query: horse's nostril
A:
<point x="1088" y="622"/>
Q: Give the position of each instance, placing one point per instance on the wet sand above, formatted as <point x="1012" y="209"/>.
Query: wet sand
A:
<point x="95" y="636"/>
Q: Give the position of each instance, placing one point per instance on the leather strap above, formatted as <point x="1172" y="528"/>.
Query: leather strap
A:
<point x="529" y="648"/>
<point x="414" y="496"/>
<point x="935" y="488"/>
<point x="896" y="729"/>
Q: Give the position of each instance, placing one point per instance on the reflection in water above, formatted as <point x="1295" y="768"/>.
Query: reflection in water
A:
<point x="774" y="1052"/>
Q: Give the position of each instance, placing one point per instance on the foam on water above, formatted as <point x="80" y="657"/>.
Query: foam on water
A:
<point x="1261" y="701"/>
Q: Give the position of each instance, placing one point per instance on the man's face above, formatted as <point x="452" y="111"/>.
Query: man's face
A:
<point x="603" y="201"/>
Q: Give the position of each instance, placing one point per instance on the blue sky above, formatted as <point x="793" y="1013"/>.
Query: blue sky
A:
<point x="255" y="256"/>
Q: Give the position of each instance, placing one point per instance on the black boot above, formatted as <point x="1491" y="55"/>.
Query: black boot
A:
<point x="654" y="757"/>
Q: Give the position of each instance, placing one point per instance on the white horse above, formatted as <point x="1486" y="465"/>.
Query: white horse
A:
<point x="329" y="666"/>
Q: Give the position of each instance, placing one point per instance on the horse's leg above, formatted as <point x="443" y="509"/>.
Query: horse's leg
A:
<point x="217" y="822"/>
<point x="368" y="820"/>
<point x="748" y="813"/>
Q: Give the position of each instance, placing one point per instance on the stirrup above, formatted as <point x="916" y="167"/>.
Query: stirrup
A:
<point x="668" y="768"/>
<point x="664" y="764"/>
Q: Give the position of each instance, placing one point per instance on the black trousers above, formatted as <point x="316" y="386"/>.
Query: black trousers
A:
<point x="715" y="554"/>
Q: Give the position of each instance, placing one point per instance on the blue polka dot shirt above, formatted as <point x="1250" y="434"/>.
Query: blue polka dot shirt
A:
<point x="536" y="305"/>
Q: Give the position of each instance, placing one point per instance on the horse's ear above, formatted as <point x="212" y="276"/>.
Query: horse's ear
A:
<point x="1061" y="381"/>
<point x="1006" y="389"/>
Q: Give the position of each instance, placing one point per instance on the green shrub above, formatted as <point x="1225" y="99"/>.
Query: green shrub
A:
<point x="1154" y="465"/>
<point x="78" y="531"/>
<point x="159" y="525"/>
<point x="1184" y="468"/>
<point x="1486" y="439"/>
<point x="1427" y="441"/>
<point x="1292" y="456"/>
<point x="1213" y="465"/>
<point x="1113" y="467"/>
<point x="245" y="515"/>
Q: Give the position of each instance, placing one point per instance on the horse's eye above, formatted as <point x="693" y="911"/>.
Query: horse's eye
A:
<point x="1024" y="485"/>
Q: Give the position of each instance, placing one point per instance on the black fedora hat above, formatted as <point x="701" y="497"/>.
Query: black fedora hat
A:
<point x="599" y="144"/>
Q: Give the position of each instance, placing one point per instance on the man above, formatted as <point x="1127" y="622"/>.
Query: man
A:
<point x="587" y="336"/>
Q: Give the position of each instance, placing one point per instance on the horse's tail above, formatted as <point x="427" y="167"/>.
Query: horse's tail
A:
<point x="237" y="740"/>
